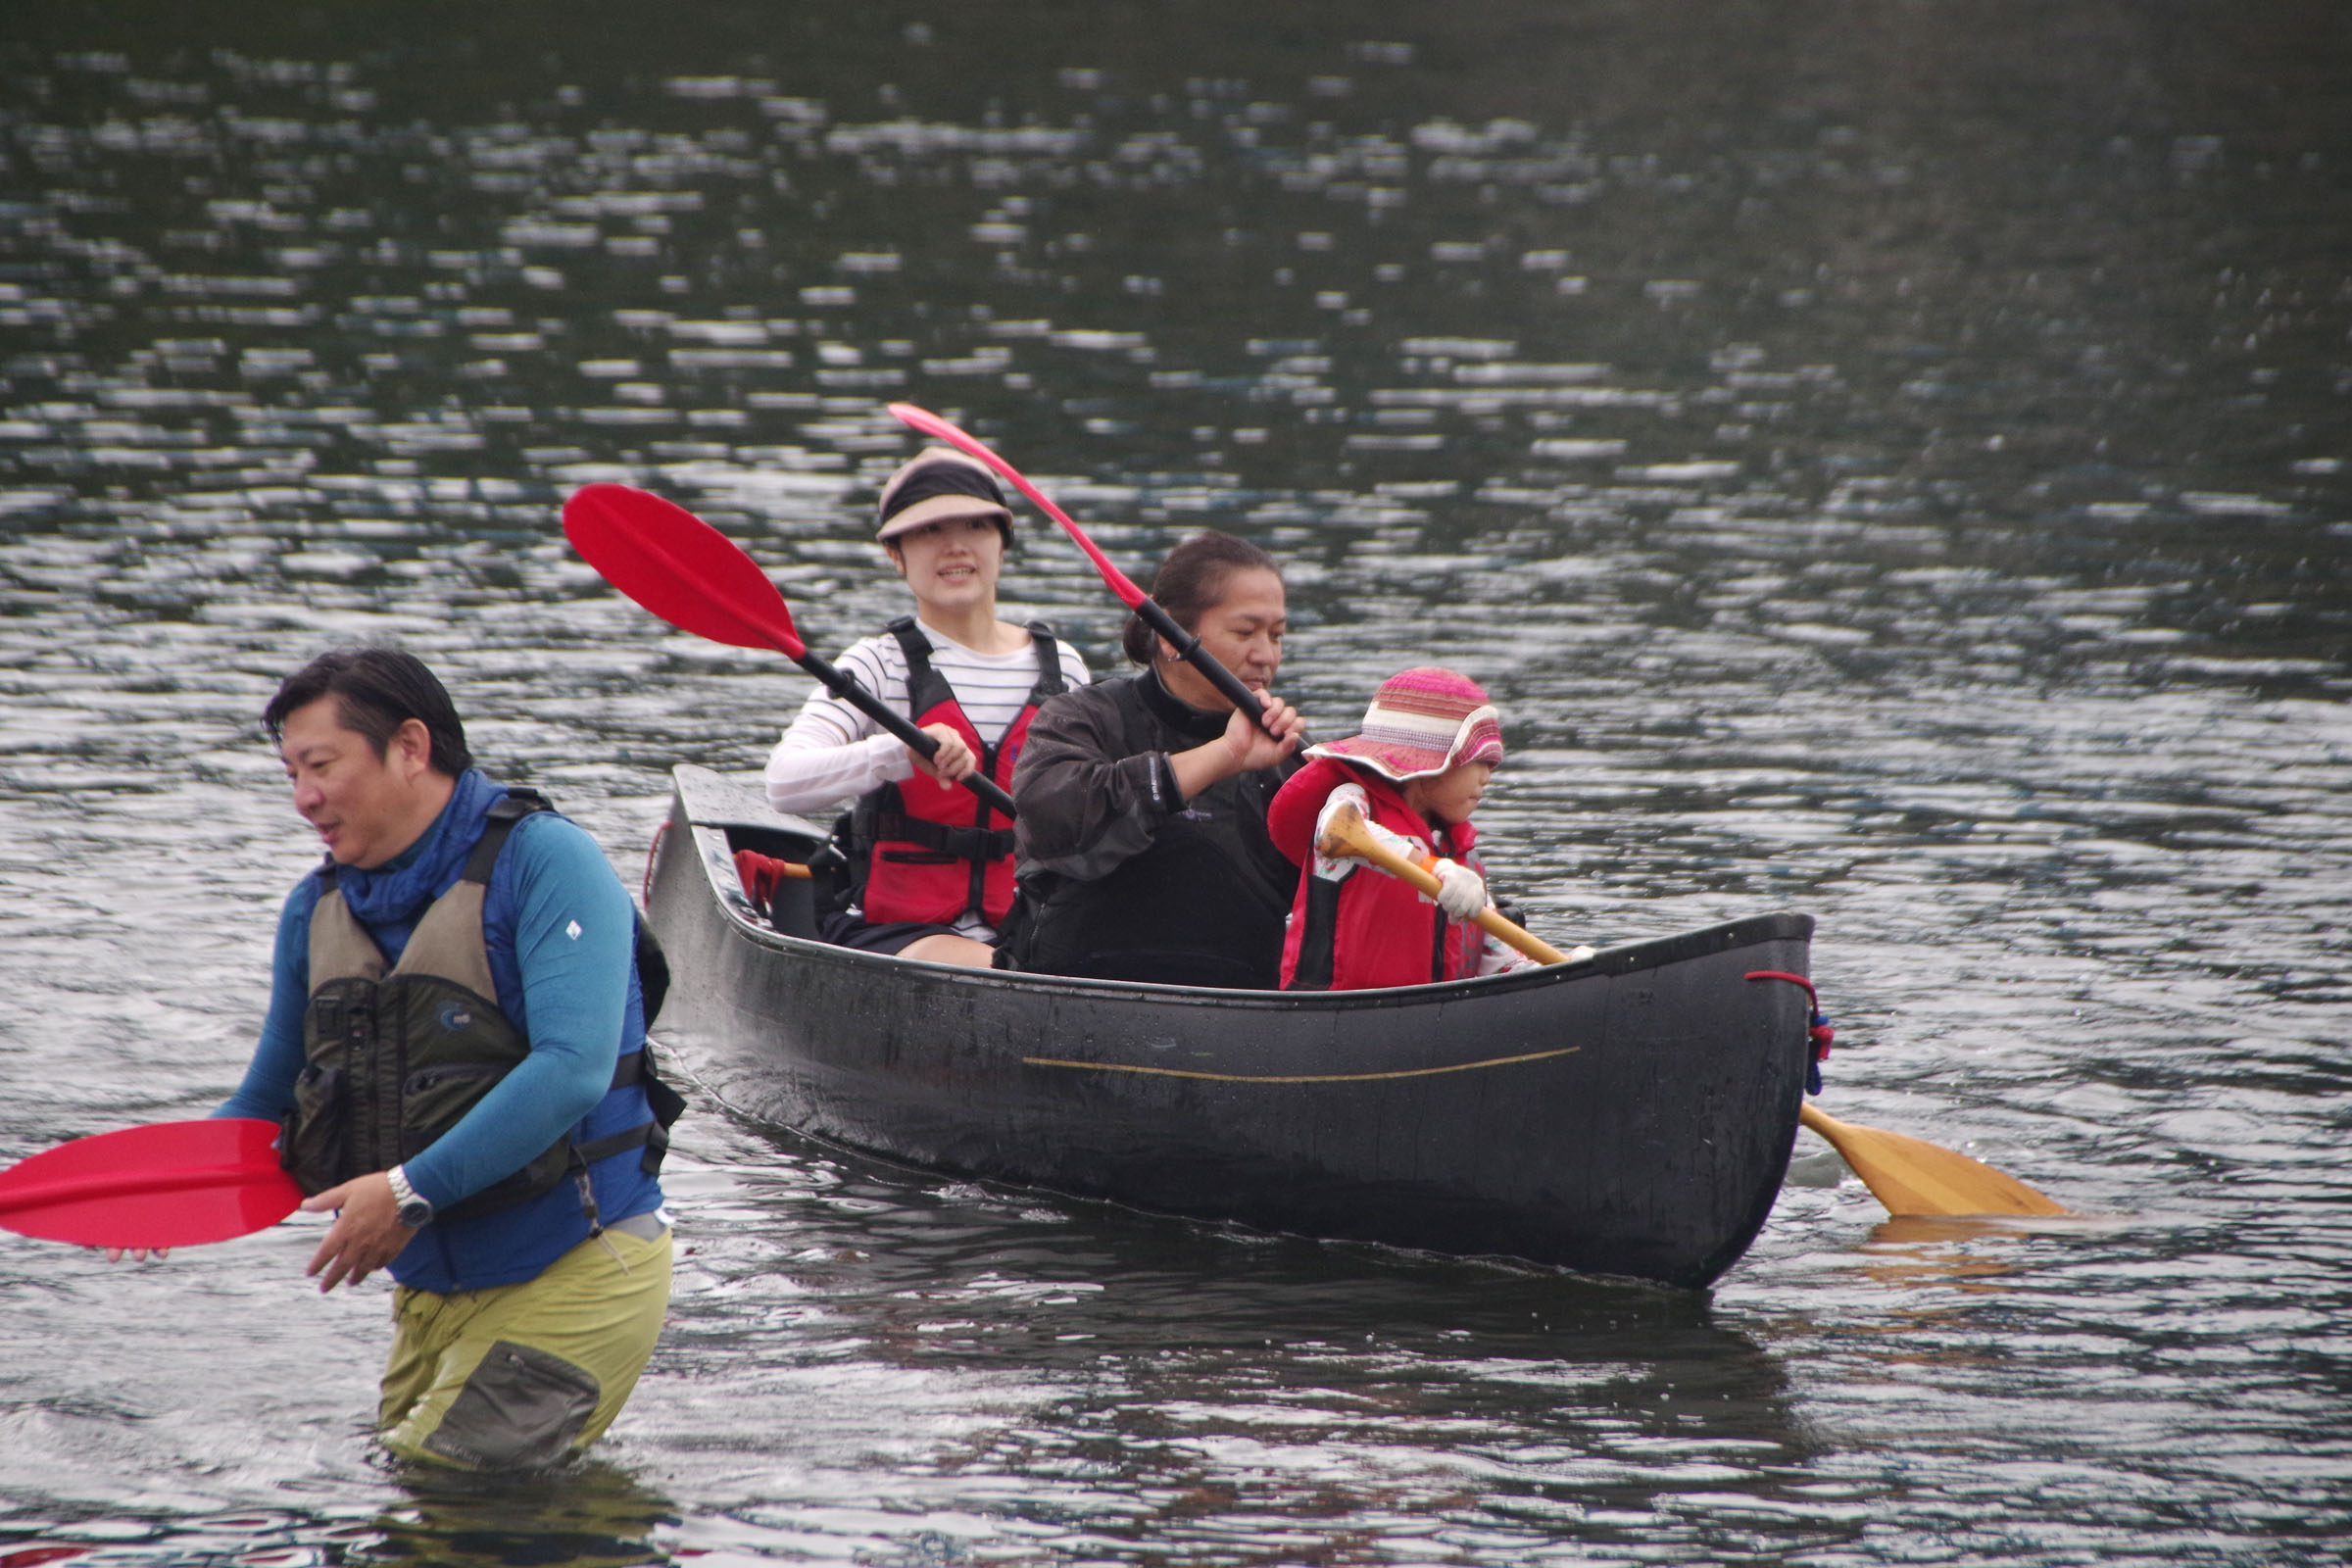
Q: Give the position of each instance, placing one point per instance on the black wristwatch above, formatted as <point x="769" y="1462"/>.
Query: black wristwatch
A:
<point x="415" y="1213"/>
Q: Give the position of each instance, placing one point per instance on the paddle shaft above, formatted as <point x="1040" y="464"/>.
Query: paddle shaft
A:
<point x="1347" y="833"/>
<point x="1155" y="615"/>
<point x="846" y="686"/>
<point x="1188" y="648"/>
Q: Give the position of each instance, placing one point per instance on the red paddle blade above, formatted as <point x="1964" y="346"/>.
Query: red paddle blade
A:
<point x="931" y="425"/>
<point x="167" y="1183"/>
<point x="678" y="566"/>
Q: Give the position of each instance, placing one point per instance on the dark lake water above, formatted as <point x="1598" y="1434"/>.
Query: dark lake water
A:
<point x="1888" y="459"/>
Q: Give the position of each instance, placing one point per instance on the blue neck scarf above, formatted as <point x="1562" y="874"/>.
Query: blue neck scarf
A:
<point x="398" y="891"/>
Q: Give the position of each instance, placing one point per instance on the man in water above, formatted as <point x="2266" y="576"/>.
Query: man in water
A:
<point x="456" y="1044"/>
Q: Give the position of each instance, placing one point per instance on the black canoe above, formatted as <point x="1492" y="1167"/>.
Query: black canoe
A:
<point x="1630" y="1115"/>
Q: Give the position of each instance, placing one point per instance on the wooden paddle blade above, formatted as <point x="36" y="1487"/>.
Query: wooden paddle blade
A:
<point x="678" y="566"/>
<point x="1911" y="1176"/>
<point x="167" y="1183"/>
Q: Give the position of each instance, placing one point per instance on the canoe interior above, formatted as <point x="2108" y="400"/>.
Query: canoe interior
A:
<point x="1630" y="1115"/>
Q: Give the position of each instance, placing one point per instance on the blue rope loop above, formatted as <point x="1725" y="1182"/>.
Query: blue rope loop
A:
<point x="1818" y="1031"/>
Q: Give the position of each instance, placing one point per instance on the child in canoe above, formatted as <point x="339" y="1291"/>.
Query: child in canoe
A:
<point x="1430" y="743"/>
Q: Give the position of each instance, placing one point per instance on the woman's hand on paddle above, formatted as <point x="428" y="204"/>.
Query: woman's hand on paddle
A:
<point x="365" y="1236"/>
<point x="1243" y="748"/>
<point x="1253" y="746"/>
<point x="951" y="763"/>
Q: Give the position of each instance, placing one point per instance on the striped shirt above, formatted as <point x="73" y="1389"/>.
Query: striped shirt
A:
<point x="833" y="752"/>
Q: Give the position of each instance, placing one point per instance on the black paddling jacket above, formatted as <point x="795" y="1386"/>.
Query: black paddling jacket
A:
<point x="1122" y="879"/>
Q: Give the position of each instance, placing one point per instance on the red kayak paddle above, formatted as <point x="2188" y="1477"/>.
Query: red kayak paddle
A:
<point x="167" y="1183"/>
<point x="699" y="580"/>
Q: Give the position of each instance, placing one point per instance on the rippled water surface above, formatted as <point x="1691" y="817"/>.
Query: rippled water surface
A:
<point x="1889" y="461"/>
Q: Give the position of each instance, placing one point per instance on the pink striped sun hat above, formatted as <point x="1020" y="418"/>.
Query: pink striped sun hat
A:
<point x="1423" y="721"/>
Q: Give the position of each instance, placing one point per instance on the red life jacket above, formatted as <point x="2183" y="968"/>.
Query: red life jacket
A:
<point x="1370" y="929"/>
<point x="925" y="850"/>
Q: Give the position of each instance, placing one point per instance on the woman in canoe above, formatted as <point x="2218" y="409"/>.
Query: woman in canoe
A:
<point x="1430" y="744"/>
<point x="930" y="866"/>
<point x="1143" y="801"/>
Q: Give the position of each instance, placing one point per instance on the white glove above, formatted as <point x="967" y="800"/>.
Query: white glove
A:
<point x="1462" y="892"/>
<point x="1338" y="867"/>
<point x="1496" y="957"/>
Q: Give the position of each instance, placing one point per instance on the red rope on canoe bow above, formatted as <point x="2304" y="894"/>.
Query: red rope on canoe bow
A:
<point x="652" y="854"/>
<point x="1818" y="1031"/>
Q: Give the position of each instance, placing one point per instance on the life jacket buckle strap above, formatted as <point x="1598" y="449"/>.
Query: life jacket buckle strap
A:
<point x="964" y="843"/>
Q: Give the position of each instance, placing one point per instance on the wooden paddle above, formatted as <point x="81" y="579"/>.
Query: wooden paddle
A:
<point x="167" y="1183"/>
<point x="1912" y="1176"/>
<point x="1349" y="834"/>
<point x="1906" y="1174"/>
<point x="699" y="580"/>
<point x="1187" y="646"/>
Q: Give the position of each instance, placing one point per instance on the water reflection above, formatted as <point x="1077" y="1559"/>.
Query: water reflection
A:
<point x="1247" y="1382"/>
<point x="590" y="1515"/>
<point x="594" y="1515"/>
<point x="1906" y="1250"/>
<point x="1284" y="307"/>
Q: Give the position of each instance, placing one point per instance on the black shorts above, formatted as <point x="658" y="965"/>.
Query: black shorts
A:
<point x="846" y="930"/>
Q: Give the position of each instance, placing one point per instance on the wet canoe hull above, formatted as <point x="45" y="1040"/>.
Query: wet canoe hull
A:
<point x="1630" y="1115"/>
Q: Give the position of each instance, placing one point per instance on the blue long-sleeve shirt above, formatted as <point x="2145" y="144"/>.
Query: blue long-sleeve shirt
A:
<point x="560" y="931"/>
